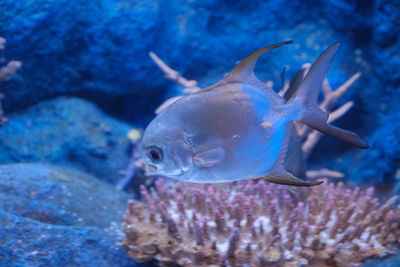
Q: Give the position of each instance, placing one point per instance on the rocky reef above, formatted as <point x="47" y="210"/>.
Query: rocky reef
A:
<point x="69" y="132"/>
<point x="260" y="224"/>
<point x="55" y="216"/>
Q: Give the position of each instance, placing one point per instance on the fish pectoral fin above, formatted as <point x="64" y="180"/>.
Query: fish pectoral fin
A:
<point x="209" y="157"/>
<point x="287" y="178"/>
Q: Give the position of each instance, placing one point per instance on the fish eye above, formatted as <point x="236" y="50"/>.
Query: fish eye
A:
<point x="155" y="154"/>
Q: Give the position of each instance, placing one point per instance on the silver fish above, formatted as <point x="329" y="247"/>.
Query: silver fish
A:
<point x="238" y="128"/>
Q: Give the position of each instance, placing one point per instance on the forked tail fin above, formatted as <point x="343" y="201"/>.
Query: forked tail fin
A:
<point x="307" y="96"/>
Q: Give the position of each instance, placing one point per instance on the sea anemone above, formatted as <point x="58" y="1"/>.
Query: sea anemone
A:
<point x="256" y="223"/>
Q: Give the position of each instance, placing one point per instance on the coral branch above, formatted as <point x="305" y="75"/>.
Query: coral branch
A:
<point x="9" y="70"/>
<point x="331" y="97"/>
<point x="326" y="173"/>
<point x="6" y="72"/>
<point x="189" y="86"/>
<point x="258" y="222"/>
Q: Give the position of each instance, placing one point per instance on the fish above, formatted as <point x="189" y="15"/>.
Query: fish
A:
<point x="239" y="128"/>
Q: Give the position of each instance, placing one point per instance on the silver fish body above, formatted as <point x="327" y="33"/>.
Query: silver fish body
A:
<point x="237" y="129"/>
<point x="227" y="119"/>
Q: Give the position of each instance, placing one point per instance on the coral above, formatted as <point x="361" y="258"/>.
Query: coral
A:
<point x="6" y="71"/>
<point x="260" y="224"/>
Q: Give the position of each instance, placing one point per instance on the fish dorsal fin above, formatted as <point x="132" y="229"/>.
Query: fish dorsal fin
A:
<point x="294" y="84"/>
<point x="244" y="71"/>
<point x="167" y="103"/>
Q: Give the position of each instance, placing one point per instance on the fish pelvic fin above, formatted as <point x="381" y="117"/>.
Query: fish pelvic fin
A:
<point x="307" y="96"/>
<point x="286" y="178"/>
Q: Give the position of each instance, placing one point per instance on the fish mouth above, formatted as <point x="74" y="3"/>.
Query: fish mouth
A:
<point x="151" y="169"/>
<point x="178" y="174"/>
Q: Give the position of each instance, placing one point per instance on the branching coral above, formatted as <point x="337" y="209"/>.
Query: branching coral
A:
<point x="6" y="71"/>
<point x="260" y="224"/>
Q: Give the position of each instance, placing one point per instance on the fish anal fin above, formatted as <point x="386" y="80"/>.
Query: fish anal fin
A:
<point x="278" y="174"/>
<point x="287" y="178"/>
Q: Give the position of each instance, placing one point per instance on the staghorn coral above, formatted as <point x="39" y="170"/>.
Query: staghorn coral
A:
<point x="260" y="224"/>
<point x="6" y="71"/>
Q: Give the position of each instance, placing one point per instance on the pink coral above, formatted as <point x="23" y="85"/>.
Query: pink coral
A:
<point x="6" y="72"/>
<point x="260" y="224"/>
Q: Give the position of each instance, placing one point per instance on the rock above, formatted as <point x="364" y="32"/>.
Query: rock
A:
<point x="97" y="49"/>
<point x="29" y="243"/>
<point x="59" y="196"/>
<point x="52" y="216"/>
<point x="69" y="132"/>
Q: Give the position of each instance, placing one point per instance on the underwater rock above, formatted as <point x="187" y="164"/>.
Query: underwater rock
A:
<point x="59" y="196"/>
<point x="384" y="154"/>
<point x="92" y="48"/>
<point x="29" y="243"/>
<point x="260" y="224"/>
<point x="69" y="132"/>
<point x="53" y="216"/>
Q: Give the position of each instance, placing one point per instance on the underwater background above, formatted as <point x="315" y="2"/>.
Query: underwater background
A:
<point x="77" y="78"/>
